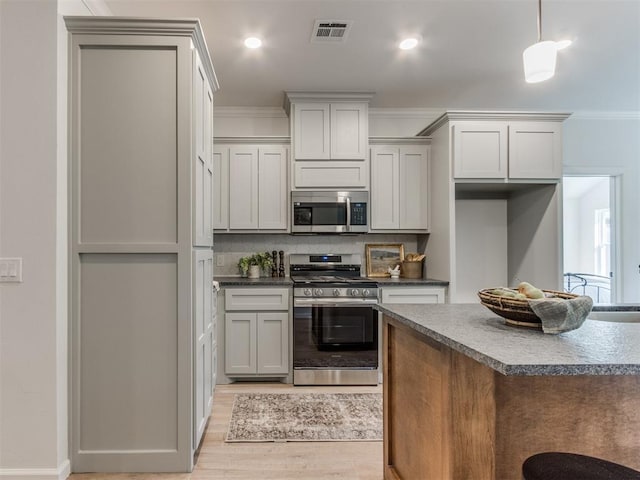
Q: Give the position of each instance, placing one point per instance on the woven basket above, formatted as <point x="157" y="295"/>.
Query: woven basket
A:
<point x="516" y="311"/>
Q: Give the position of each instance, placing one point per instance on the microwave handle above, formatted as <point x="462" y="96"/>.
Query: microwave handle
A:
<point x="348" y="199"/>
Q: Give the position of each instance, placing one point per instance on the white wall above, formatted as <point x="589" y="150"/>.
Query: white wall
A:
<point x="610" y="145"/>
<point x="29" y="357"/>
<point x="597" y="199"/>
<point x="571" y="235"/>
<point x="400" y="122"/>
<point x="33" y="216"/>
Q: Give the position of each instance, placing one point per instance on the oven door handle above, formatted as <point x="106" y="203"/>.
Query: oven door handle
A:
<point x="348" y="199"/>
<point x="347" y="302"/>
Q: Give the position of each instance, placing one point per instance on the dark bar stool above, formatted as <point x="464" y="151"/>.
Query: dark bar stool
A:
<point x="571" y="466"/>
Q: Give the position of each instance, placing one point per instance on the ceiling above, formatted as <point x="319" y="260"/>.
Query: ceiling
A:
<point x="470" y="55"/>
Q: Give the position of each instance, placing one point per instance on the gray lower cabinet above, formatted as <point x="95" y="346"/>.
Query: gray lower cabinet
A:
<point x="256" y="332"/>
<point x="140" y="243"/>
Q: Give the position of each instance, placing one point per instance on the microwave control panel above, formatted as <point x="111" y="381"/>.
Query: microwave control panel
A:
<point x="358" y="214"/>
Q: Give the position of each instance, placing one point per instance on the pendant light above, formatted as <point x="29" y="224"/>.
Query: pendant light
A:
<point x="540" y="58"/>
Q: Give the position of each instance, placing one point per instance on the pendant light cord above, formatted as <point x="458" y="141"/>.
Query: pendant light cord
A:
<point x="539" y="20"/>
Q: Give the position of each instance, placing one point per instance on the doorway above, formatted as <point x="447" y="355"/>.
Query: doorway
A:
<point x="589" y="228"/>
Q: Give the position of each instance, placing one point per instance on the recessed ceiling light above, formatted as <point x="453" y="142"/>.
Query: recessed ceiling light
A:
<point x="253" y="42"/>
<point x="408" y="43"/>
<point x="562" y="44"/>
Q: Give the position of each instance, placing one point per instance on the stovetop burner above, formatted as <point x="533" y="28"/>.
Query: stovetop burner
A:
<point x="333" y="279"/>
<point x="330" y="275"/>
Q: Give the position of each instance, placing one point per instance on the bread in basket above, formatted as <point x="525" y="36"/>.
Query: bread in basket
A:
<point x="514" y="310"/>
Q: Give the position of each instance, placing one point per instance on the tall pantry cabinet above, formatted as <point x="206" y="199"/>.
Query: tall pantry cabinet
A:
<point x="141" y="237"/>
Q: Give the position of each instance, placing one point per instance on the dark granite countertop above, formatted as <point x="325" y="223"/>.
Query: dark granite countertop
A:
<point x="254" y="282"/>
<point x="616" y="307"/>
<point x="596" y="348"/>
<point x="406" y="282"/>
<point x="230" y="281"/>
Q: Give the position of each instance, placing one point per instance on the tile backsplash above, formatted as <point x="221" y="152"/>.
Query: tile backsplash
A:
<point x="229" y="247"/>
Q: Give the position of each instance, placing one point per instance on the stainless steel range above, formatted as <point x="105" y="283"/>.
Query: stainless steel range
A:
<point x="335" y="327"/>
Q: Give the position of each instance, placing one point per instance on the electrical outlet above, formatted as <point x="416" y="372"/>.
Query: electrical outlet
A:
<point x="220" y="260"/>
<point x="10" y="270"/>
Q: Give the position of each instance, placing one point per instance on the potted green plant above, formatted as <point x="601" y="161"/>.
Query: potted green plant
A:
<point x="253" y="264"/>
<point x="243" y="265"/>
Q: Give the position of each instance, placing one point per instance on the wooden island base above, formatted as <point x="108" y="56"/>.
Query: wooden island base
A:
<point x="446" y="416"/>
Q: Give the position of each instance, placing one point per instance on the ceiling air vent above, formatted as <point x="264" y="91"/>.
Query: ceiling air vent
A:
<point x="334" y="31"/>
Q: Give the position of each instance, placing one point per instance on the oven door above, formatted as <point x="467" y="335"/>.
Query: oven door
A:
<point x="331" y="335"/>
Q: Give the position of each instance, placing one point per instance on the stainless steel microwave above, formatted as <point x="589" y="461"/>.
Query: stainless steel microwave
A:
<point x="329" y="212"/>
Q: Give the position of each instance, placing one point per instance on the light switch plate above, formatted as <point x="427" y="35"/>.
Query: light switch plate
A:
<point x="220" y="260"/>
<point x="10" y="270"/>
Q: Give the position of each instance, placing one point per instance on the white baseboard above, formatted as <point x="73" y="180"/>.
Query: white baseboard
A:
<point x="60" y="473"/>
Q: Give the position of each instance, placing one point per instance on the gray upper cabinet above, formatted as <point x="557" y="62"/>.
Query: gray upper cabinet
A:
<point x="329" y="137"/>
<point x="400" y="185"/>
<point x="253" y="181"/>
<point x="203" y="158"/>
<point x="141" y="333"/>
<point x="504" y="146"/>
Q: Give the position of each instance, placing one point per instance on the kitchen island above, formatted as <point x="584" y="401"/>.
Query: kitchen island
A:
<point x="468" y="397"/>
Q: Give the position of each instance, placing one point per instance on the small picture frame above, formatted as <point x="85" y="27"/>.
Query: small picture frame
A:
<point x="382" y="256"/>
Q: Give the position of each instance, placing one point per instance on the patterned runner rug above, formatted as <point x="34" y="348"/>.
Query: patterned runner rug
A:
<point x="278" y="417"/>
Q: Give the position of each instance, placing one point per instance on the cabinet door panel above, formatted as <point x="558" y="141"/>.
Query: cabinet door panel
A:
<point x="243" y="188"/>
<point x="413" y="295"/>
<point x="203" y="338"/>
<point x="272" y="189"/>
<point x="414" y="188"/>
<point x="311" y="131"/>
<point x="385" y="196"/>
<point x="328" y="174"/>
<point x="240" y="343"/>
<point x="273" y="343"/>
<point x="535" y="150"/>
<point x="220" y="187"/>
<point x="480" y="150"/>
<point x="254" y="298"/>
<point x="349" y="131"/>
<point x="208" y="185"/>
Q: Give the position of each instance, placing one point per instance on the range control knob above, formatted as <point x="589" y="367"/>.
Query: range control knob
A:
<point x="366" y="293"/>
<point x="318" y="292"/>
<point x="336" y="292"/>
<point x="355" y="292"/>
<point x="307" y="292"/>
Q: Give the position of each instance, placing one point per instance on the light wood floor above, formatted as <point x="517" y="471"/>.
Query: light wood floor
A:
<point x="271" y="461"/>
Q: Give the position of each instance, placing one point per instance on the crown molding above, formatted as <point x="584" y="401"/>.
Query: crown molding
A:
<point x="252" y="112"/>
<point x="606" y="115"/>
<point x="420" y="113"/>
<point x="253" y="140"/>
<point x="180" y="27"/>
<point x="452" y="115"/>
<point x="399" y="140"/>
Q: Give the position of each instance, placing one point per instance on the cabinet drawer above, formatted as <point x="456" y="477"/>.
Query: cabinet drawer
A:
<point x="256" y="299"/>
<point x="329" y="174"/>
<point x="413" y="295"/>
